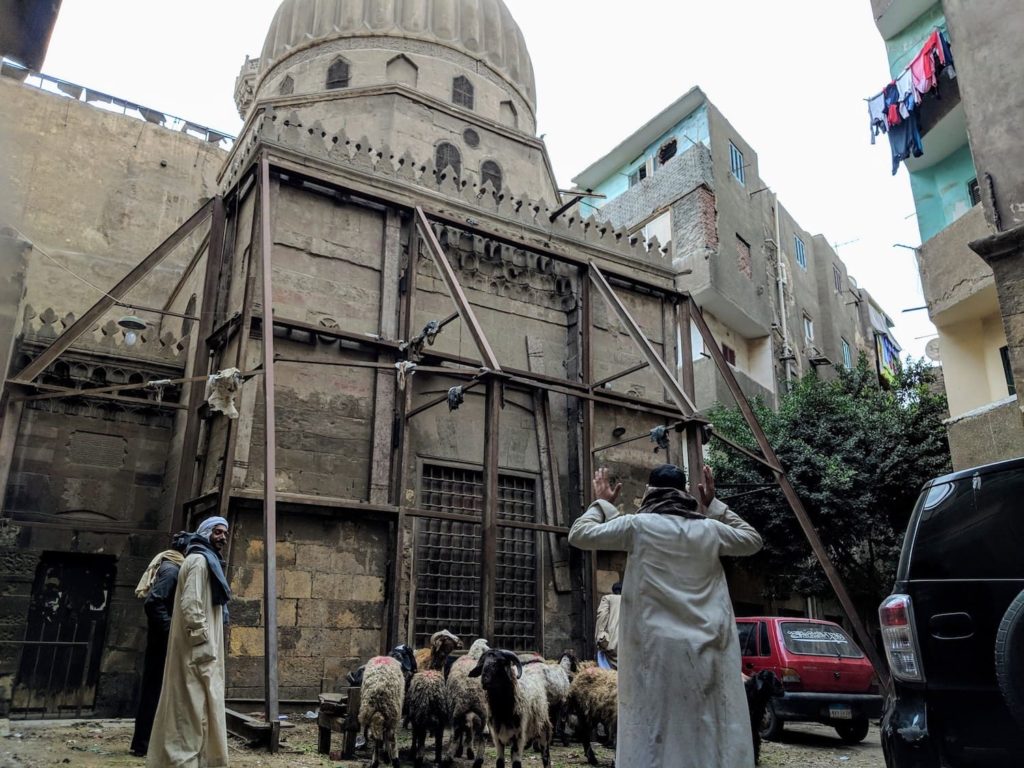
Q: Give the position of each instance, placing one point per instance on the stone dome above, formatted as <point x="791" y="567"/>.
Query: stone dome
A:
<point x="481" y="29"/>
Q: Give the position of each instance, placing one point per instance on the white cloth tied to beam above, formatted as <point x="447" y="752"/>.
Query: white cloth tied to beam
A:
<point x="221" y="389"/>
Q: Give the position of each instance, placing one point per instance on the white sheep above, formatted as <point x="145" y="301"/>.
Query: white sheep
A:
<point x="380" y="706"/>
<point x="556" y="685"/>
<point x="517" y="706"/>
<point x="468" y="705"/>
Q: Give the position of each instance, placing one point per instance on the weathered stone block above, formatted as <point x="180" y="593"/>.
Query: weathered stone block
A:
<point x="294" y="584"/>
<point x="246" y="613"/>
<point x="286" y="612"/>
<point x="314" y="557"/>
<point x="246" y="641"/>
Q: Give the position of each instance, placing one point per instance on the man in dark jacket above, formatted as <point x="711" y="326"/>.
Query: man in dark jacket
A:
<point x="157" y="586"/>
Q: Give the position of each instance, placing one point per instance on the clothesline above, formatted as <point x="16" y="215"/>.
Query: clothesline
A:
<point x="904" y="71"/>
<point x="894" y="110"/>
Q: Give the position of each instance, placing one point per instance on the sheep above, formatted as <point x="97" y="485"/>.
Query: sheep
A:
<point x="468" y="705"/>
<point x="593" y="698"/>
<point x="517" y="707"/>
<point x="441" y="645"/>
<point x="380" y="706"/>
<point x="428" y="712"/>
<point x="556" y="685"/>
<point x="760" y="688"/>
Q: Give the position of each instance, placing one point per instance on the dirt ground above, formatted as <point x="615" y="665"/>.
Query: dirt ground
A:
<point x="104" y="744"/>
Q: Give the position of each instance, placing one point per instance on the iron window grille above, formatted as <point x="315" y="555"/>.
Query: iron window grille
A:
<point x="490" y="173"/>
<point x="837" y="278"/>
<point x="974" y="192"/>
<point x="729" y="354"/>
<point x="448" y="155"/>
<point x="736" y="164"/>
<point x="462" y="92"/>
<point x="448" y="552"/>
<point x="337" y="75"/>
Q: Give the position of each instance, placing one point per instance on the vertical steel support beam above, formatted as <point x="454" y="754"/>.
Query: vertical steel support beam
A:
<point x="270" y="464"/>
<point x="587" y="368"/>
<point x="200" y="367"/>
<point x="400" y="468"/>
<point x="118" y="292"/>
<point x="791" y="496"/>
<point x="694" y="451"/>
<point x="489" y="526"/>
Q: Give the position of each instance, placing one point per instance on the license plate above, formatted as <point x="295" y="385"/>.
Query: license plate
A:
<point x="840" y="713"/>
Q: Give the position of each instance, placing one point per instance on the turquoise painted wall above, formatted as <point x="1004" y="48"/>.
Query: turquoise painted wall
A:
<point x="692" y="129"/>
<point x="940" y="192"/>
<point x="902" y="48"/>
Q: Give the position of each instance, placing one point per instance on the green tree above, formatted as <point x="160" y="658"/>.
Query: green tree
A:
<point x="857" y="455"/>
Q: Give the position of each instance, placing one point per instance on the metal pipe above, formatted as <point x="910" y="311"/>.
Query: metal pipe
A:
<point x="780" y="285"/>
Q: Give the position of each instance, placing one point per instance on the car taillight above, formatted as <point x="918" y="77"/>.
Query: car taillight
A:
<point x="896" y="616"/>
<point x="791" y="678"/>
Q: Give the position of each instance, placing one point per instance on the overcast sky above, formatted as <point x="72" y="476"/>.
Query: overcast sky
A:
<point x="790" y="75"/>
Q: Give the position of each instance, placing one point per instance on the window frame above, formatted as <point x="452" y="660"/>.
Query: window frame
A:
<point x="485" y="176"/>
<point x="808" y="328"/>
<point x="736" y="165"/>
<point x="463" y="92"/>
<point x="837" y="278"/>
<point x="973" y="191"/>
<point x="456" y="167"/>
<point x="800" y="250"/>
<point x="340" y="60"/>
<point x="728" y="353"/>
<point x="847" y="354"/>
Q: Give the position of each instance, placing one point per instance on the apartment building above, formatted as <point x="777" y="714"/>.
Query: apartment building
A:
<point x="779" y="298"/>
<point x="962" y="293"/>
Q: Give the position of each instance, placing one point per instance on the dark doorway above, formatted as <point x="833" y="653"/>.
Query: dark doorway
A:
<point x="64" y="633"/>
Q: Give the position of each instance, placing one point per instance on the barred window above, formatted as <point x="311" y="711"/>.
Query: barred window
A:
<point x="462" y="92"/>
<point x="837" y="278"/>
<point x="490" y="173"/>
<point x="448" y="558"/>
<point x="448" y="155"/>
<point x="337" y="74"/>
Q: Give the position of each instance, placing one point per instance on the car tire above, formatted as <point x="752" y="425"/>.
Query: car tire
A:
<point x="771" y="724"/>
<point x="1010" y="657"/>
<point x="853" y="732"/>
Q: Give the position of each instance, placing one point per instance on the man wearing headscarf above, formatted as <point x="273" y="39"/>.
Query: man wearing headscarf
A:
<point x="157" y="587"/>
<point x="681" y="696"/>
<point x="190" y="728"/>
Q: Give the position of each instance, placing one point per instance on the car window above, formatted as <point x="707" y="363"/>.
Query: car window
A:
<point x="766" y="647"/>
<point x="971" y="529"/>
<point x="748" y="638"/>
<point x="815" y="639"/>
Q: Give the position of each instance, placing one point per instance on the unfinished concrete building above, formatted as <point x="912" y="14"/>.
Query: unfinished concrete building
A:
<point x="424" y="333"/>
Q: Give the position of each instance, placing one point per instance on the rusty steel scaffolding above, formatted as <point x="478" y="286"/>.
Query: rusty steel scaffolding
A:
<point x="485" y="371"/>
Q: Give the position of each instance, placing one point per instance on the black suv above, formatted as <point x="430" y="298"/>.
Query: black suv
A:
<point x="953" y="629"/>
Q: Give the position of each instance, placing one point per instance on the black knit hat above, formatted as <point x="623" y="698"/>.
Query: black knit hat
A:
<point x="668" y="476"/>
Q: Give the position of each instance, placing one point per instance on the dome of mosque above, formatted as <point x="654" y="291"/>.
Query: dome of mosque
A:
<point x="483" y="30"/>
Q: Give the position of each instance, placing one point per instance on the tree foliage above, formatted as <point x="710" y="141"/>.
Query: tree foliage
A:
<point x="857" y="455"/>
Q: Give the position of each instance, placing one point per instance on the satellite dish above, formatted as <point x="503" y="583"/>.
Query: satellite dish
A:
<point x="931" y="349"/>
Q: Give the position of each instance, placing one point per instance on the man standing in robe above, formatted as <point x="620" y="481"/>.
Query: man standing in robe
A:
<point x="190" y="729"/>
<point x="607" y="628"/>
<point x="681" y="697"/>
<point x="157" y="586"/>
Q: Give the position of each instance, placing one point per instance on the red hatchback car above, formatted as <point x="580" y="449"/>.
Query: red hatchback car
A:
<point x="827" y="677"/>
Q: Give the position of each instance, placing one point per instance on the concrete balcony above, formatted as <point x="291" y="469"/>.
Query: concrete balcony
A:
<point x="893" y="16"/>
<point x="958" y="285"/>
<point x="710" y="387"/>
<point x="992" y="433"/>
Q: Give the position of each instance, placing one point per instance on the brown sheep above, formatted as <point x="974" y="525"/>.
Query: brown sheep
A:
<point x="441" y="645"/>
<point x="593" y="698"/>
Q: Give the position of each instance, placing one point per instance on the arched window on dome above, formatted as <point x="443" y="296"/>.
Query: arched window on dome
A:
<point x="462" y="92"/>
<point x="490" y="173"/>
<point x="337" y="74"/>
<point x="448" y="155"/>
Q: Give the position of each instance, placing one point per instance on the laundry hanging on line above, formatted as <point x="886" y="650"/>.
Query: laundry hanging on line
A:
<point x="894" y="111"/>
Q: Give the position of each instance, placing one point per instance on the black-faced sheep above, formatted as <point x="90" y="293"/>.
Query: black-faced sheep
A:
<point x="380" y="706"/>
<point x="428" y="712"/>
<point x="761" y="689"/>
<point x="468" y="705"/>
<point x="593" y="699"/>
<point x="517" y="707"/>
<point x="441" y="645"/>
